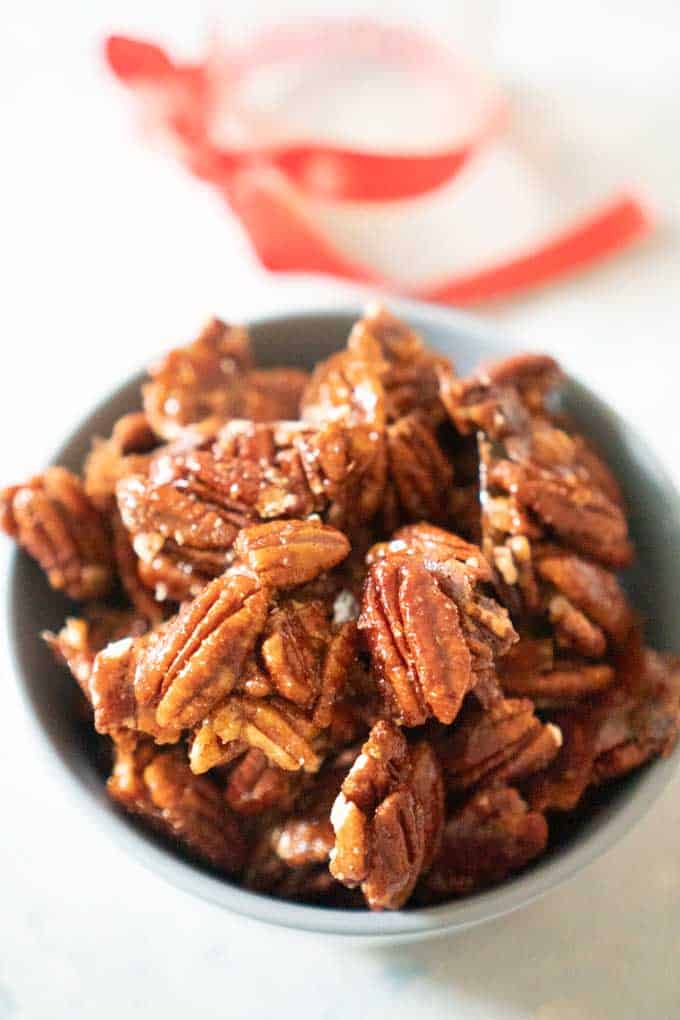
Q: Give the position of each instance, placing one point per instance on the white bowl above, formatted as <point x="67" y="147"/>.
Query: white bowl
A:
<point x="302" y="339"/>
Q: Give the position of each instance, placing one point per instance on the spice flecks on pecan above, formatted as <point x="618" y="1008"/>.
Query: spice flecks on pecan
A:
<point x="284" y="554"/>
<point x="432" y="636"/>
<point x="407" y="369"/>
<point x="198" y="386"/>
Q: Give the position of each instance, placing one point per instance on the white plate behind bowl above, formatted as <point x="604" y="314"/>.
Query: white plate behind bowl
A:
<point x="302" y="339"/>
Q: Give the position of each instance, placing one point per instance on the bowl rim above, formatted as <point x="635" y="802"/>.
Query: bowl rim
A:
<point x="455" y="915"/>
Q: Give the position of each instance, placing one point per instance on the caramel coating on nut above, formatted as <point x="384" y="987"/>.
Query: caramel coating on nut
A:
<point x="52" y="518"/>
<point x="387" y="818"/>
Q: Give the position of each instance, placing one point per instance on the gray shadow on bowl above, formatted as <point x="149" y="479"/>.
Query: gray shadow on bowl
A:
<point x="302" y="340"/>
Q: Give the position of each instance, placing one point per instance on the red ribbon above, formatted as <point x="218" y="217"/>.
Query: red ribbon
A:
<point x="265" y="183"/>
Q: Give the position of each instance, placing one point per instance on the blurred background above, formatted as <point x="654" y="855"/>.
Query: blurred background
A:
<point x="111" y="252"/>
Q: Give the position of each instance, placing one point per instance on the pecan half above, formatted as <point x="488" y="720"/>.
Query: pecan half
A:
<point x="493" y="835"/>
<point x="421" y="473"/>
<point x="531" y="669"/>
<point x="616" y="732"/>
<point x="407" y="370"/>
<point x="79" y="640"/>
<point x="51" y="517"/>
<point x="288" y="553"/>
<point x="387" y="818"/>
<point x="125" y="452"/>
<point x="505" y="744"/>
<point x="543" y="472"/>
<point x="588" y="587"/>
<point x="284" y="733"/>
<point x="173" y="677"/>
<point x="499" y="396"/>
<point x="199" y="386"/>
<point x="160" y="787"/>
<point x="432" y="635"/>
<point x="255" y="785"/>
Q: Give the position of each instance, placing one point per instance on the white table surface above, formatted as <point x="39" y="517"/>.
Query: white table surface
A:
<point x="109" y="254"/>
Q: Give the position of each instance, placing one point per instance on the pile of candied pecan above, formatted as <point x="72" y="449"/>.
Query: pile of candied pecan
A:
<point x="353" y="637"/>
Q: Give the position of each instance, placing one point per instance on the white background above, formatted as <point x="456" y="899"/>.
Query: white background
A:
<point x="109" y="253"/>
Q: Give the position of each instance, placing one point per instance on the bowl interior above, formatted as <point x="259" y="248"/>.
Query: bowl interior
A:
<point x="303" y="339"/>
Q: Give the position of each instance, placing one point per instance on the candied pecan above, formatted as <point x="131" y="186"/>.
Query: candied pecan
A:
<point x="499" y="396"/>
<point x="171" y="678"/>
<point x="436" y="546"/>
<point x="407" y="370"/>
<point x="531" y="669"/>
<point x="505" y="744"/>
<point x="184" y="514"/>
<point x="543" y="471"/>
<point x="127" y="564"/>
<point x="255" y="785"/>
<point x="293" y="649"/>
<point x="198" y="658"/>
<point x="270" y="394"/>
<point x="614" y="733"/>
<point x="267" y="872"/>
<point x="288" y="553"/>
<point x="416" y="642"/>
<point x="573" y="630"/>
<point x="273" y="725"/>
<point x="336" y="470"/>
<point x="79" y="640"/>
<point x="345" y="388"/>
<point x="306" y="836"/>
<point x="387" y="818"/>
<point x="428" y="789"/>
<point x="536" y="465"/>
<point x="305" y="661"/>
<point x="642" y="723"/>
<point x="582" y="516"/>
<point x="491" y="836"/>
<point x="589" y="587"/>
<point x="51" y="517"/>
<point x="199" y="386"/>
<point x="166" y="519"/>
<point x="561" y="786"/>
<point x="421" y="473"/>
<point x="287" y="698"/>
<point x="161" y="788"/>
<point x="125" y="452"/>
<point x="431" y="634"/>
<point x="339" y="669"/>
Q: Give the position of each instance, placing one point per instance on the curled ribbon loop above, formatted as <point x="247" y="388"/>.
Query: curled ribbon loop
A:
<point x="272" y="182"/>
